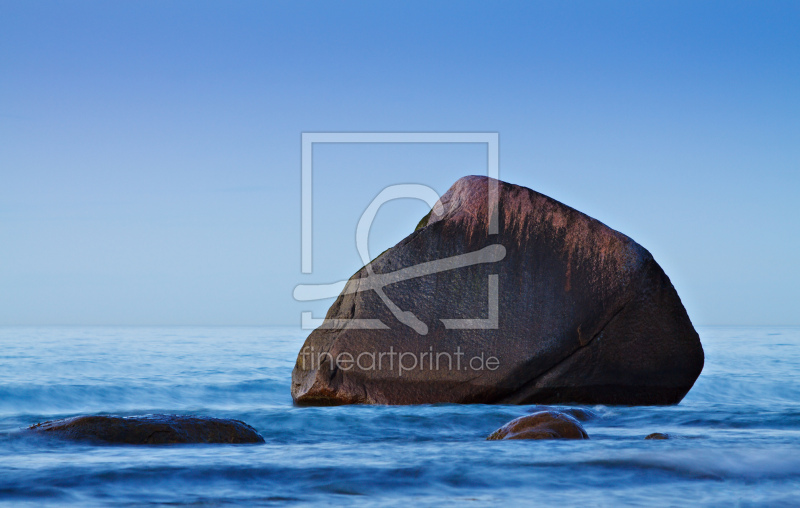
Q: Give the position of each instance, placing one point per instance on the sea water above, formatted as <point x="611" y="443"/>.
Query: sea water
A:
<point x="735" y="438"/>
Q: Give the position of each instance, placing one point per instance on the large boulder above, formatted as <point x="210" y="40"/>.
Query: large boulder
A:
<point x="541" y="425"/>
<point x="556" y="307"/>
<point x="150" y="429"/>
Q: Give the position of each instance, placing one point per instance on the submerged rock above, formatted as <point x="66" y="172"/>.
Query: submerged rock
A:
<point x="554" y="308"/>
<point x="150" y="429"/>
<point x="542" y="425"/>
<point x="657" y="435"/>
<point x="580" y="414"/>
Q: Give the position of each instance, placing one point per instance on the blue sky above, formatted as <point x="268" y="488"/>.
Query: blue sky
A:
<point x="150" y="151"/>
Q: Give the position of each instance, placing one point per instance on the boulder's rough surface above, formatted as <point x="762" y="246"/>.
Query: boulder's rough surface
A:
<point x="542" y="425"/>
<point x="581" y="314"/>
<point x="150" y="430"/>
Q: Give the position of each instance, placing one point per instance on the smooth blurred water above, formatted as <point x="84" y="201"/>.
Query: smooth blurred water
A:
<point x="736" y="435"/>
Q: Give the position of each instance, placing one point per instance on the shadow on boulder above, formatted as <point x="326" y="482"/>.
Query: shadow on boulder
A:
<point x="150" y="430"/>
<point x="542" y="425"/>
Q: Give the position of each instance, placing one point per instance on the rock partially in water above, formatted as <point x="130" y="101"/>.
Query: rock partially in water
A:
<point x="150" y="429"/>
<point x="553" y="308"/>
<point x="657" y="435"/>
<point x="542" y="425"/>
<point x="579" y="413"/>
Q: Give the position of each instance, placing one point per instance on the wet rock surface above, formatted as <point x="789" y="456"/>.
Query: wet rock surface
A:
<point x="579" y="413"/>
<point x="150" y="430"/>
<point x="541" y="425"/>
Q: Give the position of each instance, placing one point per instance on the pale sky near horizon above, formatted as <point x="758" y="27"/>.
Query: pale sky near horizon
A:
<point x="150" y="151"/>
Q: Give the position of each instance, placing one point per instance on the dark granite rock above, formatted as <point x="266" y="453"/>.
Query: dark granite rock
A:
<point x="657" y="435"/>
<point x="584" y="314"/>
<point x="150" y="429"/>
<point x="541" y="425"/>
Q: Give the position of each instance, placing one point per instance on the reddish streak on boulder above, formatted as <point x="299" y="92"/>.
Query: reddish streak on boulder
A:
<point x="586" y="316"/>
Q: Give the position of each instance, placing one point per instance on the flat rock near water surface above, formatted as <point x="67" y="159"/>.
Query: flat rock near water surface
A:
<point x="150" y="430"/>
<point x="554" y="307"/>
